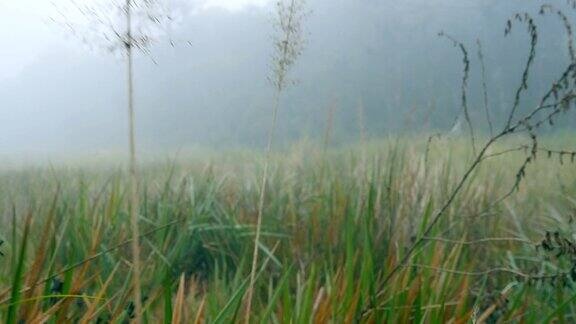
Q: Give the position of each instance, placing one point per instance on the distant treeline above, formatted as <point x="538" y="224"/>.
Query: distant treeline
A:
<point x="383" y="55"/>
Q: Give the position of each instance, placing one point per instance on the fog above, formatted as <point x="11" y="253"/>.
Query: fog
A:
<point x="58" y="94"/>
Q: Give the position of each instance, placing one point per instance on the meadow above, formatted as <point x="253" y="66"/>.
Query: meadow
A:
<point x="473" y="224"/>
<point x="335" y="222"/>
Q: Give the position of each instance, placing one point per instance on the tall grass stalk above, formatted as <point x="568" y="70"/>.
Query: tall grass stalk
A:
<point x="327" y="137"/>
<point x="111" y="28"/>
<point x="261" y="200"/>
<point x="288" y="47"/>
<point x="134" y="203"/>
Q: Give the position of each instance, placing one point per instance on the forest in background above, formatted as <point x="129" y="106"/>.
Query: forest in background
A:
<point x="385" y="56"/>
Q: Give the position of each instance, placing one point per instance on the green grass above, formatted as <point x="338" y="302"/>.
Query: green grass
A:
<point x="333" y="228"/>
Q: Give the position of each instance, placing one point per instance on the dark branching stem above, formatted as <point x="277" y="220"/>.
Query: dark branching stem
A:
<point x="563" y="91"/>
<point x="288" y="49"/>
<point x="548" y="8"/>
<point x="465" y="78"/>
<point x="419" y="242"/>
<point x="533" y="31"/>
<point x="484" y="87"/>
<point x="430" y="227"/>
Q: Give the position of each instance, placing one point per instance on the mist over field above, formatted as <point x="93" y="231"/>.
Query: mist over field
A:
<point x="287" y="161"/>
<point x="59" y="95"/>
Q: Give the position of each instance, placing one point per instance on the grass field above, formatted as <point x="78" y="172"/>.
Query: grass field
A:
<point x="335" y="223"/>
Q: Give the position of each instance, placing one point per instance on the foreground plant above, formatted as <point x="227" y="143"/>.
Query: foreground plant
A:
<point x="288" y="46"/>
<point x="111" y="26"/>
<point x="559" y="98"/>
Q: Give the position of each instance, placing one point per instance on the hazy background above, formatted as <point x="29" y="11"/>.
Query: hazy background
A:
<point x="57" y="95"/>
